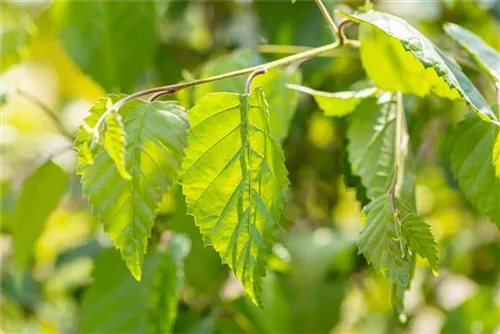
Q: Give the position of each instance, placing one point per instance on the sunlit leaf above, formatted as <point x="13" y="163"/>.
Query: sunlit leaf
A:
<point x="114" y="140"/>
<point x="116" y="303"/>
<point x="339" y="103"/>
<point x="235" y="181"/>
<point x="40" y="195"/>
<point x="485" y="56"/>
<point x="156" y="134"/>
<point x="371" y="148"/>
<point x="282" y="101"/>
<point x="397" y="57"/>
<point x="120" y="40"/>
<point x="471" y="155"/>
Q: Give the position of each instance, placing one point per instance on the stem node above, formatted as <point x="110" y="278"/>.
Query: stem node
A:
<point x="251" y="76"/>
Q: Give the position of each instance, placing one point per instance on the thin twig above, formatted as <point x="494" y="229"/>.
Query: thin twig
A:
<point x="328" y="18"/>
<point x="157" y="95"/>
<point x="52" y="115"/>
<point x="176" y="87"/>
<point x="341" y="33"/>
<point x="250" y="78"/>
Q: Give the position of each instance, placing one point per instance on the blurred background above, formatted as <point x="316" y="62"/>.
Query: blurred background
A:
<point x="55" y="53"/>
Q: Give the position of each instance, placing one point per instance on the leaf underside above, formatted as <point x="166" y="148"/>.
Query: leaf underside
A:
<point x="235" y="181"/>
<point x="372" y="151"/>
<point x="337" y="104"/>
<point x="156" y="134"/>
<point x="397" y="57"/>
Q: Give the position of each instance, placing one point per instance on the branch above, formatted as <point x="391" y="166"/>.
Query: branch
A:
<point x="52" y="115"/>
<point x="158" y="91"/>
<point x="328" y="18"/>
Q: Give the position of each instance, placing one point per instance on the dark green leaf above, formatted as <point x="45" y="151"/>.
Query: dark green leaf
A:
<point x="116" y="303"/>
<point x="119" y="40"/>
<point x="473" y="164"/>
<point x="40" y="195"/>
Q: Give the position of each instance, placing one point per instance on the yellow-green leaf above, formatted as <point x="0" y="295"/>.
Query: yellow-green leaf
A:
<point x="339" y="103"/>
<point x="114" y="140"/>
<point x="235" y="181"/>
<point x="398" y="57"/>
<point x="156" y="134"/>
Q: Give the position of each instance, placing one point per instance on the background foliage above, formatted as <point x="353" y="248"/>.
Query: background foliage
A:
<point x="59" y="271"/>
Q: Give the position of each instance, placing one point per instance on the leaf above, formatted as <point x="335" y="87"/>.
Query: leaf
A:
<point x="282" y="101"/>
<point x="397" y="57"/>
<point x="371" y="149"/>
<point x="116" y="303"/>
<point x="108" y="55"/>
<point x="420" y="238"/>
<point x="166" y="286"/>
<point x="39" y="196"/>
<point x="471" y="156"/>
<point x="235" y="181"/>
<point x="382" y="243"/>
<point x="156" y="134"/>
<point x="114" y="140"/>
<point x="485" y="56"/>
<point x="236" y="60"/>
<point x="337" y="104"/>
<point x="203" y="268"/>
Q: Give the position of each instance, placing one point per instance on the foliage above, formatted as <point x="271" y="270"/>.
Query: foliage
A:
<point x="234" y="198"/>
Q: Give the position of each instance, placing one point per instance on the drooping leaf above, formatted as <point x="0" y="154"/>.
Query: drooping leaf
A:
<point x="282" y="101"/>
<point x="371" y="149"/>
<point x="397" y="57"/>
<point x="116" y="303"/>
<point x="40" y="195"/>
<point x="235" y="181"/>
<point x="108" y="55"/>
<point x="382" y="243"/>
<point x="471" y="156"/>
<point x="418" y="235"/>
<point x="485" y="56"/>
<point x="114" y="140"/>
<point x="337" y="104"/>
<point x="156" y="134"/>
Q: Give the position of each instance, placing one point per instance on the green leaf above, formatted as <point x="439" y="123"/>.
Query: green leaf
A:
<point x="116" y="303"/>
<point x="337" y="104"/>
<point x="282" y="101"/>
<point x="471" y="155"/>
<point x="114" y="140"/>
<point x="420" y="238"/>
<point x="39" y="196"/>
<point x="236" y="60"/>
<point x="397" y="57"/>
<point x="381" y="241"/>
<point x="108" y="55"/>
<point x="235" y="181"/>
<point x="156" y="134"/>
<point x="485" y="56"/>
<point x="372" y="150"/>
<point x="14" y="34"/>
